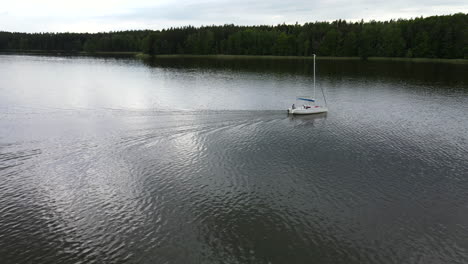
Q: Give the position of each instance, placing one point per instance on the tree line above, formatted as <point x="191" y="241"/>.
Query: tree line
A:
<point x="431" y="37"/>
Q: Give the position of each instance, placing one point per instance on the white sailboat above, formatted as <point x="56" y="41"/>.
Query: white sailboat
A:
<point x="307" y="108"/>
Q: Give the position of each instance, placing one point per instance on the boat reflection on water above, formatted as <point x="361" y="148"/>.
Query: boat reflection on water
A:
<point x="306" y="120"/>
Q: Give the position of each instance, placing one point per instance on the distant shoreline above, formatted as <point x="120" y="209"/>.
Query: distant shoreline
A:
<point x="225" y="56"/>
<point x="140" y="55"/>
<point x="65" y="52"/>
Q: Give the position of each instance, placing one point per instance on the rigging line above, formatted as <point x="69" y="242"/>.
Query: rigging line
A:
<point x="323" y="93"/>
<point x="321" y="88"/>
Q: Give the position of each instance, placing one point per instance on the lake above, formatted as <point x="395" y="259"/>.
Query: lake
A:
<point x="195" y="160"/>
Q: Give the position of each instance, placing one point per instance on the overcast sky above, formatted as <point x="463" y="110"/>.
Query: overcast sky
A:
<point x="108" y="15"/>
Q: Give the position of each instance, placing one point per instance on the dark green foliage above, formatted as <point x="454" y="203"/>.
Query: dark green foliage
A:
<point x="350" y="44"/>
<point x="423" y="45"/>
<point x="431" y="37"/>
<point x="330" y="43"/>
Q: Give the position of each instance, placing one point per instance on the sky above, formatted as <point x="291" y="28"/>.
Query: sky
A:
<point x="113" y="15"/>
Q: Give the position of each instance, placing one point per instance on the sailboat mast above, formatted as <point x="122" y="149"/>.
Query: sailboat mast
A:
<point x="314" y="77"/>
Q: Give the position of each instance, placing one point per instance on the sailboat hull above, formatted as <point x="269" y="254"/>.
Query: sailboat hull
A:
<point x="309" y="111"/>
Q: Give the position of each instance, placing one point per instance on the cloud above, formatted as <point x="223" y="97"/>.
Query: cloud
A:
<point x="106" y="15"/>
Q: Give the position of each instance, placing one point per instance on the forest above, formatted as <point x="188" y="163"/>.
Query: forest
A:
<point x="430" y="37"/>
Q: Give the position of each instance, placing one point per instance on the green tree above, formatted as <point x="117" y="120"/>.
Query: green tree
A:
<point x="437" y="36"/>
<point x="364" y="47"/>
<point x="422" y="47"/>
<point x="393" y="43"/>
<point x="329" y="45"/>
<point x="350" y="44"/>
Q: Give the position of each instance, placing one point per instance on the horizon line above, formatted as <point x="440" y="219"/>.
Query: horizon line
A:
<point x="231" y="24"/>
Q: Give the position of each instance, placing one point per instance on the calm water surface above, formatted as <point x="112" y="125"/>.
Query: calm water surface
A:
<point x="106" y="160"/>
